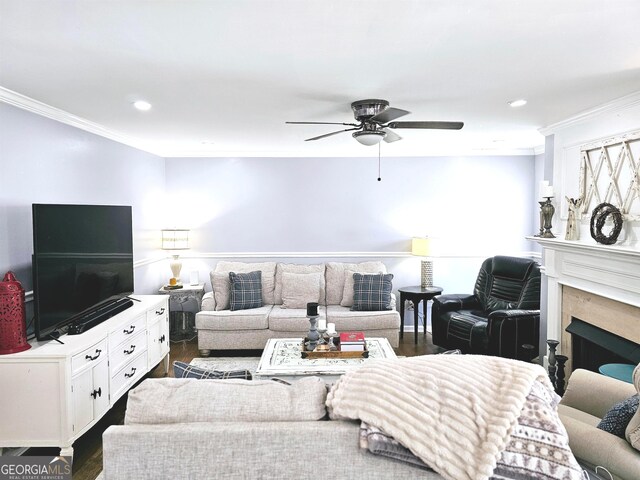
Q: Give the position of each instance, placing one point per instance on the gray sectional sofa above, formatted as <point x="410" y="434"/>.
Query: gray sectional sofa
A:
<point x="219" y="328"/>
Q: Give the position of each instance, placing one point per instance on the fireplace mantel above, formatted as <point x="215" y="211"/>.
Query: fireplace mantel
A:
<point x="610" y="271"/>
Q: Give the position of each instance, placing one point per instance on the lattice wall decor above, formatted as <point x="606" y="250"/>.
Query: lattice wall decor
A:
<point x="610" y="172"/>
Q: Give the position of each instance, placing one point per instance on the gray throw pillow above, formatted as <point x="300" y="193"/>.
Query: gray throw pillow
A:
<point x="246" y="290"/>
<point x="372" y="292"/>
<point x="618" y="417"/>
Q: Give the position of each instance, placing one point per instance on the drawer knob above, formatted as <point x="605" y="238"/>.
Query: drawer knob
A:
<point x="129" y="352"/>
<point x="160" y="312"/>
<point x="130" y="331"/>
<point x="161" y="339"/>
<point x="89" y="357"/>
<point x="97" y="393"/>
<point x="129" y="375"/>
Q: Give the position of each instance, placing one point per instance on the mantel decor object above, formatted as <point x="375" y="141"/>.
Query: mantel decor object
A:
<point x="572" y="232"/>
<point x="13" y="327"/>
<point x="598" y="218"/>
<point x="547" y="211"/>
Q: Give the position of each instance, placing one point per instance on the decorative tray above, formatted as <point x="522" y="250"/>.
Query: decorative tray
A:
<point x="173" y="287"/>
<point x="312" y="354"/>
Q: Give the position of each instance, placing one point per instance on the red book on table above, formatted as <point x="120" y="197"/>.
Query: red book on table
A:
<point x="351" y="338"/>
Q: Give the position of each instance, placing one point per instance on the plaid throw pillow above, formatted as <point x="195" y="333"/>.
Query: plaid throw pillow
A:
<point x="371" y="292"/>
<point x="184" y="370"/>
<point x="246" y="290"/>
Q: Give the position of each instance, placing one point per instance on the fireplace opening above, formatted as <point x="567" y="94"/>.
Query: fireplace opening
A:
<point x="592" y="346"/>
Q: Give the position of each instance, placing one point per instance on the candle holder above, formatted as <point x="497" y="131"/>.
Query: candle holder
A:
<point x="547" y="210"/>
<point x="553" y="344"/>
<point x="539" y="234"/>
<point x="312" y="335"/>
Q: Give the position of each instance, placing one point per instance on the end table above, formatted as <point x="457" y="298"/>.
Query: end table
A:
<point x="416" y="295"/>
<point x="184" y="303"/>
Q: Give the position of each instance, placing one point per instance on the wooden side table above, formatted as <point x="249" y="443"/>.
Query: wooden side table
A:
<point x="416" y="295"/>
<point x="184" y="303"/>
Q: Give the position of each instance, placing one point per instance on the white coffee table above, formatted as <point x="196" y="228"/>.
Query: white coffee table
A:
<point x="281" y="358"/>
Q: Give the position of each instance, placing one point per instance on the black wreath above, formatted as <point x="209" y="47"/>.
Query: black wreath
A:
<point x="599" y="216"/>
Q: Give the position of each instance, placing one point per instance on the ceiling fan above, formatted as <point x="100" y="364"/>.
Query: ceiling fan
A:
<point x="376" y="123"/>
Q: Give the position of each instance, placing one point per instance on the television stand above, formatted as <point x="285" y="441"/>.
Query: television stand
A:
<point x="57" y="392"/>
<point x="99" y="315"/>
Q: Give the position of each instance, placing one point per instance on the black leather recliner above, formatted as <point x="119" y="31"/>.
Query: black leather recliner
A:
<point x="501" y="316"/>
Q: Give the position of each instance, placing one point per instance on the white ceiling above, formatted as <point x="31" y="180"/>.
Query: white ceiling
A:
<point x="224" y="76"/>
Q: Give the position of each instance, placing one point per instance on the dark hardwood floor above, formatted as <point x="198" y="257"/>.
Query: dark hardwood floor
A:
<point x="87" y="460"/>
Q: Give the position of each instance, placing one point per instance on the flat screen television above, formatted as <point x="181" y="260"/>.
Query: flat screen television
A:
<point x="82" y="262"/>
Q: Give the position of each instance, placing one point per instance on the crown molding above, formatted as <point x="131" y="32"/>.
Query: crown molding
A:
<point x="613" y="106"/>
<point x="538" y="150"/>
<point x="34" y="106"/>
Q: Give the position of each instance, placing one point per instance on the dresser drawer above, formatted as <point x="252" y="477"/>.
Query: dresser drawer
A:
<point x="127" y="375"/>
<point x="127" y="330"/>
<point x="159" y="311"/>
<point x="90" y="355"/>
<point x="128" y="349"/>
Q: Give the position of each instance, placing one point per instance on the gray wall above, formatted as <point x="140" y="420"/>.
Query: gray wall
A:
<point x="44" y="161"/>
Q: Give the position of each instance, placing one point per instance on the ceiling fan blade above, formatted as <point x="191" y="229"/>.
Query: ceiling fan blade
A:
<point x="323" y="123"/>
<point x="391" y="136"/>
<point x="388" y="114"/>
<point x="329" y="134"/>
<point x="433" y="125"/>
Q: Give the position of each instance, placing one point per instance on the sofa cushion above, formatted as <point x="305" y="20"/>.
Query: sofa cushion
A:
<point x="348" y="320"/>
<point x="246" y="290"/>
<point x="372" y="292"/>
<point x="292" y="319"/>
<point x="297" y="268"/>
<point x="185" y="370"/>
<point x="298" y="289"/>
<point x="186" y="400"/>
<point x="335" y="277"/>
<point x="619" y="416"/>
<point x="347" y="291"/>
<point x="221" y="286"/>
<point x="268" y="270"/>
<point x="253" y="319"/>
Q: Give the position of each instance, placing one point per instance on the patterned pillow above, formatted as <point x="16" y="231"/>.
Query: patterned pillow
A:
<point x="184" y="370"/>
<point x="616" y="420"/>
<point x="371" y="292"/>
<point x="246" y="290"/>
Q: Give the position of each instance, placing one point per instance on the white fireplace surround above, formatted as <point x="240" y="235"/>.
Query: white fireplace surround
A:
<point x="607" y="270"/>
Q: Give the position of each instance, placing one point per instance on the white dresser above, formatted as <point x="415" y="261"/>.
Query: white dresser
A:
<point x="53" y="393"/>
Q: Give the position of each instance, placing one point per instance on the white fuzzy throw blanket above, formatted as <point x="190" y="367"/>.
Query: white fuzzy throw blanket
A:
<point x="455" y="412"/>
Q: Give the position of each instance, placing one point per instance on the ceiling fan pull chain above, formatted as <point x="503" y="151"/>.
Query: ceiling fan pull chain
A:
<point x="379" y="163"/>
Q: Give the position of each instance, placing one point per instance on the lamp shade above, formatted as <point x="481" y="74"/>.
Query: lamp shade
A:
<point x="421" y="246"/>
<point x="175" y="239"/>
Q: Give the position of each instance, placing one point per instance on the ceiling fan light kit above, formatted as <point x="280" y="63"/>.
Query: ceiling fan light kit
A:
<point x="375" y="119"/>
<point x="369" y="137"/>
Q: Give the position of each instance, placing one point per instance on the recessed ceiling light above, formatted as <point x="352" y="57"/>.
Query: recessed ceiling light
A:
<point x="518" y="103"/>
<point x="142" y="105"/>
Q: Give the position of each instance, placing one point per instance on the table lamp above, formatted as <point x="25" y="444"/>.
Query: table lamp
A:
<point x="420" y="247"/>
<point x="175" y="240"/>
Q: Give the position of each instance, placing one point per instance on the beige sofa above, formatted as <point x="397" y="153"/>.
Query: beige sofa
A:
<point x="222" y="329"/>
<point x="588" y="398"/>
